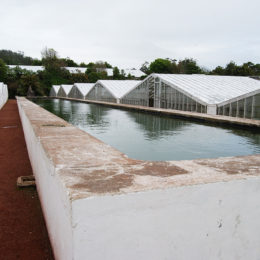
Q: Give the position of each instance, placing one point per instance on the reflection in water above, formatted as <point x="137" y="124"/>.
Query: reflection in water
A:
<point x="156" y="127"/>
<point x="151" y="137"/>
<point x="253" y="136"/>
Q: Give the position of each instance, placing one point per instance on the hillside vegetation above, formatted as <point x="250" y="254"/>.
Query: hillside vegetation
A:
<point x="54" y="73"/>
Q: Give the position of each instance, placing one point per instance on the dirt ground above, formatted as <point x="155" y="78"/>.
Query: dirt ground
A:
<point x="23" y="234"/>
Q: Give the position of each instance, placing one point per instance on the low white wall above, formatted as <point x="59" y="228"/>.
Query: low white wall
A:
<point x="99" y="204"/>
<point x="3" y="94"/>
<point x="54" y="199"/>
<point x="209" y="221"/>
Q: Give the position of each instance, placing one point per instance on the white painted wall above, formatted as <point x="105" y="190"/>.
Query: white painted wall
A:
<point x="209" y="221"/>
<point x="205" y="221"/>
<point x="3" y="94"/>
<point x="55" y="203"/>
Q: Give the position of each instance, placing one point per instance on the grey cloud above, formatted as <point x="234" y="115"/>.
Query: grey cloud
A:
<point x="127" y="33"/>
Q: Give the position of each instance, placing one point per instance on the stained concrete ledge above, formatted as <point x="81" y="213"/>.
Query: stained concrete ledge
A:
<point x="100" y="204"/>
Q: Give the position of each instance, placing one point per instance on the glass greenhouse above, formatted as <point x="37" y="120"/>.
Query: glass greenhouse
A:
<point x="223" y="95"/>
<point x="64" y="90"/>
<point x="54" y="90"/>
<point x="80" y="90"/>
<point x="111" y="90"/>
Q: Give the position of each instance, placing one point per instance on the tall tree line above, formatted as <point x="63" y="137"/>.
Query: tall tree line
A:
<point x="54" y="73"/>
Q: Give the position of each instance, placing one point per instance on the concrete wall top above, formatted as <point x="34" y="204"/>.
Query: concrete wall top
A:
<point x="88" y="167"/>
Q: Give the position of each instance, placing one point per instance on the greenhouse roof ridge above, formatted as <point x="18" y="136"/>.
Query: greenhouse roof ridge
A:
<point x="66" y="88"/>
<point x="118" y="88"/>
<point x="211" y="89"/>
<point x="84" y="88"/>
<point x="56" y="87"/>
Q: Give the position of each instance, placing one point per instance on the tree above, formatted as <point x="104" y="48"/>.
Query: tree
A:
<point x="256" y="69"/>
<point x="49" y="53"/>
<point x="109" y="66"/>
<point x="117" y="74"/>
<point x="174" y="66"/>
<point x="93" y="77"/>
<point x="231" y="68"/>
<point x="54" y="72"/>
<point x="50" y="59"/>
<point x="161" y="66"/>
<point x="145" y="67"/>
<point x="189" y="66"/>
<point x="96" y="67"/>
<point x="79" y="78"/>
<point x="13" y="80"/>
<point x="29" y="81"/>
<point x="96" y="71"/>
<point x="129" y="76"/>
<point x="84" y="65"/>
<point x="69" y="62"/>
<point x="3" y="71"/>
<point x="17" y="58"/>
<point x="37" y="62"/>
<point x="218" y="71"/>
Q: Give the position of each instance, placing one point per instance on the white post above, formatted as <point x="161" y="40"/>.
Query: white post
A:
<point x="212" y="109"/>
<point x="244" y="107"/>
<point x="237" y="109"/>
<point x="253" y="107"/>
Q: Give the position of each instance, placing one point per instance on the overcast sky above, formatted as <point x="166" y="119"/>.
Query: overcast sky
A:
<point x="128" y="32"/>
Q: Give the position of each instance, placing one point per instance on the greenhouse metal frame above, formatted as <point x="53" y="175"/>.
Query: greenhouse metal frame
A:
<point x="215" y="95"/>
<point x="80" y="90"/>
<point x="64" y="90"/>
<point x="54" y="90"/>
<point x="111" y="90"/>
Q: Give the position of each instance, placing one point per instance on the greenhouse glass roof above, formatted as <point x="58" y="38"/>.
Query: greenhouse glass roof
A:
<point x="84" y="88"/>
<point x="76" y="69"/>
<point x="56" y="88"/>
<point x="67" y="88"/>
<point x="118" y="88"/>
<point x="211" y="89"/>
<point x="133" y="72"/>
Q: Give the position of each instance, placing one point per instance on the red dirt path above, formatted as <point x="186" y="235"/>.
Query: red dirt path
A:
<point x="23" y="233"/>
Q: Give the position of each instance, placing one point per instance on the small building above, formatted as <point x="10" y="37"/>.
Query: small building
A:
<point x="111" y="90"/>
<point x="108" y="71"/>
<point x="64" y="90"/>
<point x="76" y="70"/>
<point x="54" y="90"/>
<point x="80" y="90"/>
<point x="31" y="68"/>
<point x="135" y="73"/>
<point x="217" y="95"/>
<point x="35" y="69"/>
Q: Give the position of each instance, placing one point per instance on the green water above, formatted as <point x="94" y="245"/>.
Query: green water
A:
<point x="151" y="137"/>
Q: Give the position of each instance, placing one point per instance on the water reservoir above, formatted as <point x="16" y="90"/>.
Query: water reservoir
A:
<point x="151" y="137"/>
